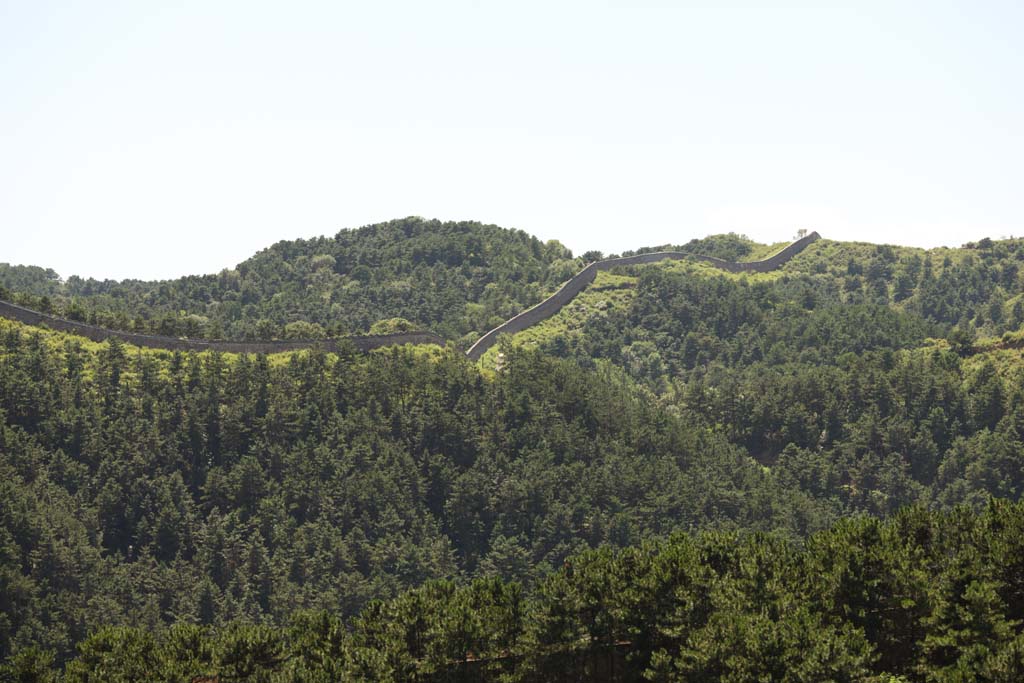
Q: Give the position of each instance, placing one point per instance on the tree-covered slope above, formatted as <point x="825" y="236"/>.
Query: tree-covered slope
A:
<point x="456" y="279"/>
<point x="149" y="488"/>
<point x="145" y="487"/>
<point x="855" y="398"/>
<point x="211" y="498"/>
<point x="461" y="279"/>
<point x="921" y="597"/>
<point x="830" y="298"/>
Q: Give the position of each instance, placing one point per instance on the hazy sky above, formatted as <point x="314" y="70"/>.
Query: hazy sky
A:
<point x="155" y="139"/>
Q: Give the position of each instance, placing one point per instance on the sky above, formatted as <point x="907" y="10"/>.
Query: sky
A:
<point x="152" y="140"/>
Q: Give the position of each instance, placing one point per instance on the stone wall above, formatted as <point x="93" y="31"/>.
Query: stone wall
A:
<point x="542" y="311"/>
<point x="554" y="303"/>
<point x="152" y="341"/>
<point x="531" y="316"/>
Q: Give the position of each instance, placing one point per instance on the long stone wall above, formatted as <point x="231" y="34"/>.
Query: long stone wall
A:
<point x="531" y="316"/>
<point x="567" y="292"/>
<point x="362" y="343"/>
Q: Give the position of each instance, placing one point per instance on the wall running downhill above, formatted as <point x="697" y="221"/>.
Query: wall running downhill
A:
<point x="554" y="303"/>
<point x="152" y="341"/>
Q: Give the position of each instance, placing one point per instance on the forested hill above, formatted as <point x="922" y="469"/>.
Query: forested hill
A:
<point x="455" y="279"/>
<point x="328" y="516"/>
<point x="207" y="514"/>
<point x="460" y="280"/>
<point x="663" y="321"/>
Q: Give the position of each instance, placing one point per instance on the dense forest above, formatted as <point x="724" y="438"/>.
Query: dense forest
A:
<point x="322" y="481"/>
<point x="689" y="475"/>
<point x="922" y="597"/>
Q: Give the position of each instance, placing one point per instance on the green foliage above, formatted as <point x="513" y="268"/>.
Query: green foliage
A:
<point x="142" y="489"/>
<point x="424" y="271"/>
<point x="300" y="329"/>
<point x="729" y="247"/>
<point x="920" y="597"/>
<point x="392" y="326"/>
<point x="639" y="492"/>
<point x="30" y="665"/>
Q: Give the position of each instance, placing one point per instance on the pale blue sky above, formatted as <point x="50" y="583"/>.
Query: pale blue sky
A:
<point x="144" y="140"/>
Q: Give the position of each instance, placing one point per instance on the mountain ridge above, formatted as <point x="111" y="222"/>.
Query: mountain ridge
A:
<point x="537" y="313"/>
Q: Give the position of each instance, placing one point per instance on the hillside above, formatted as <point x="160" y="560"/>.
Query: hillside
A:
<point x="892" y="371"/>
<point x="863" y="601"/>
<point x="395" y="331"/>
<point x="974" y="291"/>
<point x="313" y="481"/>
<point x="217" y="501"/>
<point x="454" y="279"/>
<point x="457" y="280"/>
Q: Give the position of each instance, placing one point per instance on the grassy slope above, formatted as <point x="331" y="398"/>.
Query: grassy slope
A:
<point x="608" y="291"/>
<point x="615" y="291"/>
<point x="759" y="252"/>
<point x="829" y="256"/>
